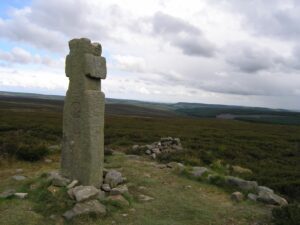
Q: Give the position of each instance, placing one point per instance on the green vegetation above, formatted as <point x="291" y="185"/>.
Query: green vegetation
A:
<point x="177" y="200"/>
<point x="272" y="152"/>
<point x="287" y="215"/>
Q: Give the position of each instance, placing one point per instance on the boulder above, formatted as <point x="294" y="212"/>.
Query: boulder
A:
<point x="263" y="188"/>
<point x="85" y="208"/>
<point x="241" y="184"/>
<point x="122" y="189"/>
<point x="83" y="193"/>
<point x="198" y="171"/>
<point x="148" y="152"/>
<point x="252" y="197"/>
<point x="271" y="198"/>
<point x="7" y="193"/>
<point x="113" y="178"/>
<point x="237" y="196"/>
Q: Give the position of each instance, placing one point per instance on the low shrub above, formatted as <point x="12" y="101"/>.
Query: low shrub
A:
<point x="217" y="180"/>
<point x="287" y="215"/>
<point x="31" y="152"/>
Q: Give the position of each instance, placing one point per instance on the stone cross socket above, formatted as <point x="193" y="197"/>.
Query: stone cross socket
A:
<point x="83" y="116"/>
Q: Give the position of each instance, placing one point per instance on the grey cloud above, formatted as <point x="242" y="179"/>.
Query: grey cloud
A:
<point x="21" y="56"/>
<point x="166" y="24"/>
<point x="22" y="30"/>
<point x="195" y="46"/>
<point x="251" y="59"/>
<point x="182" y="35"/>
<point x="269" y="17"/>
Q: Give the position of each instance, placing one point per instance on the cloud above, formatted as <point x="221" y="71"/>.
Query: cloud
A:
<point x="19" y="55"/>
<point x="252" y="59"/>
<point x="182" y="35"/>
<point x="130" y="63"/>
<point x="269" y="17"/>
<point x="231" y="51"/>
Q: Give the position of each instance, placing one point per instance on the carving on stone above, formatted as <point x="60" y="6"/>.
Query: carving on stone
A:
<point x="83" y="118"/>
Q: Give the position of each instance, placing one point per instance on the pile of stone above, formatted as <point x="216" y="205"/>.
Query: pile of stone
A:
<point x="166" y="144"/>
<point x="255" y="192"/>
<point x="88" y="198"/>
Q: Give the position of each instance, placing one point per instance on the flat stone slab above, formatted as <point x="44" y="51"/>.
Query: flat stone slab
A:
<point x="57" y="179"/>
<point x="73" y="184"/>
<point x="85" y="208"/>
<point x="145" y="198"/>
<point x="7" y="193"/>
<point x="82" y="193"/>
<point x="18" y="177"/>
<point x="122" y="189"/>
<point x="242" y="184"/>
<point x="21" y="195"/>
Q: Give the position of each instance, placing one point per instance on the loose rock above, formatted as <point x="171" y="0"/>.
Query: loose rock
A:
<point x="73" y="184"/>
<point x="119" y="190"/>
<point x="57" y="179"/>
<point x="252" y="197"/>
<point x="241" y="170"/>
<point x="271" y="198"/>
<point x="145" y="198"/>
<point x="198" y="171"/>
<point x="83" y="193"/>
<point x="263" y="188"/>
<point x="106" y="187"/>
<point x="21" y="195"/>
<point x="48" y="160"/>
<point x="7" y="193"/>
<point x="18" y="177"/>
<point x="19" y="170"/>
<point x="119" y="199"/>
<point x="242" y="184"/>
<point x="113" y="178"/>
<point x="237" y="196"/>
<point x="85" y="208"/>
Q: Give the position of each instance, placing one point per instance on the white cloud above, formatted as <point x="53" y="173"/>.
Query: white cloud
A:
<point x="230" y="51"/>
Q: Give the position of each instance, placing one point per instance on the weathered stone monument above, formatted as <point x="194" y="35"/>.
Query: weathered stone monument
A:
<point x="83" y="118"/>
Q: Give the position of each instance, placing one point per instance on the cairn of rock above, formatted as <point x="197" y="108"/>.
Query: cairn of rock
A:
<point x="87" y="197"/>
<point x="166" y="144"/>
<point x="83" y="117"/>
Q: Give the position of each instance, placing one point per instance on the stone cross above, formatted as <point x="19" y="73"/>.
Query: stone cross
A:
<point x="83" y="117"/>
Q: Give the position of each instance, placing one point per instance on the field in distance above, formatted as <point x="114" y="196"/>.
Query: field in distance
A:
<point x="271" y="151"/>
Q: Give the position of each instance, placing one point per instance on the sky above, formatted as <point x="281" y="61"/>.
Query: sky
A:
<point x="209" y="51"/>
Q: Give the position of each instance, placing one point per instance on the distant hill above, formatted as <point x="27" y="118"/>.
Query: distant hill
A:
<point x="150" y="109"/>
